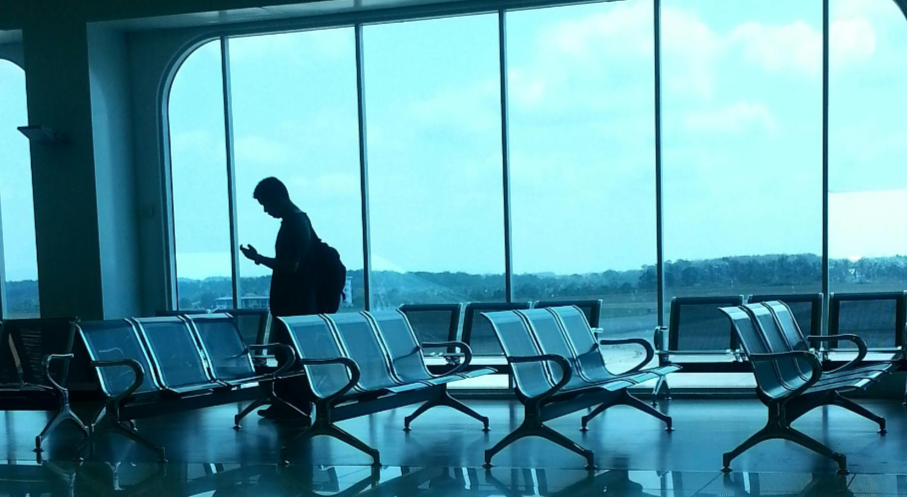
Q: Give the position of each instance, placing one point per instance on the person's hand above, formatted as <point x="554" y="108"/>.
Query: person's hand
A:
<point x="250" y="253"/>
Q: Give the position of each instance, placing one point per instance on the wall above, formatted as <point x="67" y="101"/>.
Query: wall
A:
<point x="63" y="176"/>
<point x="111" y="112"/>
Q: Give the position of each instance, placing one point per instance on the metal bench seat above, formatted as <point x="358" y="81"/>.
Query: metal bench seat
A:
<point x="359" y="363"/>
<point x="35" y="356"/>
<point x="789" y="376"/>
<point x="546" y="392"/>
<point x="564" y="331"/>
<point x="152" y="366"/>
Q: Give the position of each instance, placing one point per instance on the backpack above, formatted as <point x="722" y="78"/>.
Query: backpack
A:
<point x="331" y="279"/>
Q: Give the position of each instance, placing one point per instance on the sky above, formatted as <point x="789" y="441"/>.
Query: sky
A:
<point x="742" y="150"/>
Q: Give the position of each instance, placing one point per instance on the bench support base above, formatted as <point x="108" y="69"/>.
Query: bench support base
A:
<point x="115" y="426"/>
<point x="444" y="399"/>
<point x="776" y="430"/>
<point x="532" y="426"/>
<point x="64" y="414"/>
<point x="322" y="426"/>
<point x="271" y="398"/>
<point x="628" y="400"/>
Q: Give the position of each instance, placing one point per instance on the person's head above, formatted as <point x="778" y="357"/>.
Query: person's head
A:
<point x="273" y="196"/>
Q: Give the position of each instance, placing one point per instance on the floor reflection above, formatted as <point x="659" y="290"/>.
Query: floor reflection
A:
<point x="222" y="480"/>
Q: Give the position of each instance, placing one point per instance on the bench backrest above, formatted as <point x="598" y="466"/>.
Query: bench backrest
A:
<point x="806" y="308"/>
<point x="778" y="341"/>
<point x="402" y="346"/>
<point x="116" y="340"/>
<point x="878" y="318"/>
<point x="516" y="340"/>
<point x="696" y="324"/>
<point x="579" y="332"/>
<point x="223" y="345"/>
<point x="591" y="308"/>
<point x="550" y="337"/>
<point x="313" y="337"/>
<point x="434" y="322"/>
<point x="25" y="343"/>
<point x="478" y="334"/>
<point x="174" y="350"/>
<point x="768" y="374"/>
<point x="363" y="345"/>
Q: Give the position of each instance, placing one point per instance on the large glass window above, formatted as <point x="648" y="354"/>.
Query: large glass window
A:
<point x="308" y="138"/>
<point x="199" y="181"/>
<point x="582" y="148"/>
<point x="434" y="152"/>
<point x="17" y="214"/>
<point x="867" y="144"/>
<point x="742" y="146"/>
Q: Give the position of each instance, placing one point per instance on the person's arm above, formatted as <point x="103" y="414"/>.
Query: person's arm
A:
<point x="290" y="250"/>
<point x="275" y="264"/>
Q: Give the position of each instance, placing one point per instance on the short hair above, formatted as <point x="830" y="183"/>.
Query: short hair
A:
<point x="271" y="189"/>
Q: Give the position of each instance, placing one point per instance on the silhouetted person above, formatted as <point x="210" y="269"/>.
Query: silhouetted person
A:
<point x="308" y="277"/>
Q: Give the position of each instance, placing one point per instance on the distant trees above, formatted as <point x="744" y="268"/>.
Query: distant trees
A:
<point x="744" y="274"/>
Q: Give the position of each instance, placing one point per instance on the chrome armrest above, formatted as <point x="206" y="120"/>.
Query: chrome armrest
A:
<point x="650" y="350"/>
<point x="862" y="350"/>
<point x="466" y="351"/>
<point x="566" y="376"/>
<point x="48" y="359"/>
<point x="290" y="356"/>
<point x="132" y="364"/>
<point x="351" y="367"/>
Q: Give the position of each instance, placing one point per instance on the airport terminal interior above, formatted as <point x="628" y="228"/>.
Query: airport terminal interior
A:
<point x="610" y="248"/>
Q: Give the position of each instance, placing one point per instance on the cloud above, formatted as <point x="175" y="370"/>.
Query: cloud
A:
<point x="195" y="141"/>
<point x="741" y="116"/>
<point x="474" y="109"/>
<point x="851" y="42"/>
<point x="789" y="47"/>
<point x="261" y="150"/>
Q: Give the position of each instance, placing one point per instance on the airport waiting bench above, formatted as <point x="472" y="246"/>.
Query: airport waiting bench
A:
<point x="152" y="366"/>
<point x="700" y="339"/>
<point x="535" y="340"/>
<point x="790" y="378"/>
<point x="253" y="324"/>
<point x="35" y="356"/>
<point x="358" y="364"/>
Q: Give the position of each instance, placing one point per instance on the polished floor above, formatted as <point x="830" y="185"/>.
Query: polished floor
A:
<point x="634" y="454"/>
<point x="185" y="480"/>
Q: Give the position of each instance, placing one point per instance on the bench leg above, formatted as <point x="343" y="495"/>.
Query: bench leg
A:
<point x="322" y="428"/>
<point x="534" y="428"/>
<point x="598" y="410"/>
<point x="447" y="401"/>
<point x="64" y="414"/>
<point x="631" y="401"/>
<point x="776" y="431"/>
<point x="661" y="383"/>
<point x="126" y="431"/>
<point x="853" y="407"/>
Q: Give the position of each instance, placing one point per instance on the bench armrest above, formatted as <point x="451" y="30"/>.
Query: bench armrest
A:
<point x="351" y="367"/>
<point x="650" y="350"/>
<point x="48" y="359"/>
<point x="132" y="364"/>
<point x="814" y="365"/>
<point x="290" y="356"/>
<point x="566" y="372"/>
<point x="465" y="350"/>
<point x="862" y="350"/>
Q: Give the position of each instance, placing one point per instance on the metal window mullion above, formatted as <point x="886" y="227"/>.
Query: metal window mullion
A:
<point x="505" y="157"/>
<point x="231" y="173"/>
<point x="3" y="310"/>
<point x="659" y="204"/>
<point x="825" y="69"/>
<point x="363" y="169"/>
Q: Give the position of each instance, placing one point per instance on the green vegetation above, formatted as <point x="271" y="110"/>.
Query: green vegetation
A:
<point x="626" y="293"/>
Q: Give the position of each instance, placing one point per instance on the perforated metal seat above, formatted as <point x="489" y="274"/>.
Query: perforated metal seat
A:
<point x="177" y="360"/>
<point x="789" y="377"/>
